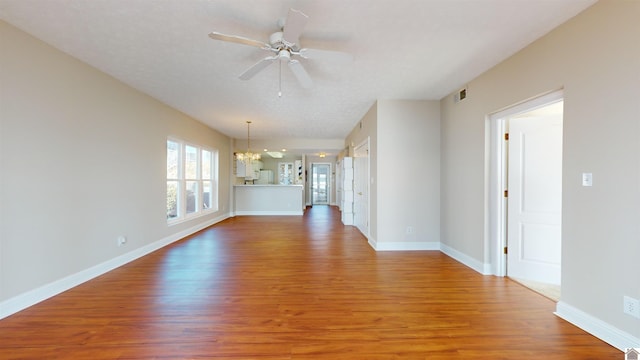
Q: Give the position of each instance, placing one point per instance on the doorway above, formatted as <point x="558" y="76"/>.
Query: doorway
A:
<point x="526" y="171"/>
<point x="320" y="184"/>
<point x="361" y="187"/>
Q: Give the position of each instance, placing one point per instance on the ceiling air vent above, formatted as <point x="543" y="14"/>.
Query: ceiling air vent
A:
<point x="460" y="95"/>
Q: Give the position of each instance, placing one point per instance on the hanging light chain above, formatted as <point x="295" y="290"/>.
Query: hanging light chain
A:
<point x="248" y="138"/>
<point x="248" y="156"/>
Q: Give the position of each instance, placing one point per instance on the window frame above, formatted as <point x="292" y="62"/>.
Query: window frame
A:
<point x="182" y="200"/>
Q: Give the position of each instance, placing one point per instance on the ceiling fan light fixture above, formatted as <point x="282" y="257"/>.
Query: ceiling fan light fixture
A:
<point x="275" y="39"/>
<point x="284" y="45"/>
<point x="284" y="54"/>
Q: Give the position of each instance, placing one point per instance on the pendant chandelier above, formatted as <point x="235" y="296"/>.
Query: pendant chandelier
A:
<point x="248" y="156"/>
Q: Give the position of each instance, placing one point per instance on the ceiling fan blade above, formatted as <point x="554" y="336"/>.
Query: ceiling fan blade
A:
<point x="328" y="55"/>
<point x="296" y="21"/>
<point x="259" y="66"/>
<point x="239" y="40"/>
<point x="300" y="73"/>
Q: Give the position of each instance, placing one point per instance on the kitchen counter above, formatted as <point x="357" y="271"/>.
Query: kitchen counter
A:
<point x="268" y="199"/>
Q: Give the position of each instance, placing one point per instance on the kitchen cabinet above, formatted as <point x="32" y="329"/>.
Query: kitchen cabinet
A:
<point x="285" y="173"/>
<point x="250" y="170"/>
<point x="268" y="200"/>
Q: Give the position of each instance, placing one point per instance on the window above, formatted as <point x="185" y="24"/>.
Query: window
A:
<point x="173" y="174"/>
<point x="192" y="175"/>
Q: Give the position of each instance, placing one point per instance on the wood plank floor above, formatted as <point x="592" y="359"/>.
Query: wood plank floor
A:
<point x="294" y="288"/>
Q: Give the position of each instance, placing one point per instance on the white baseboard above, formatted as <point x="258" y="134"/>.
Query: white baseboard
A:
<point x="372" y="242"/>
<point x="30" y="298"/>
<point x="596" y="327"/>
<point x="269" y="213"/>
<point x="482" y="268"/>
<point x="405" y="246"/>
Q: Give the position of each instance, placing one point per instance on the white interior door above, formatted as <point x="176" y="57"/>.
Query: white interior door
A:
<point x="534" y="214"/>
<point x="361" y="188"/>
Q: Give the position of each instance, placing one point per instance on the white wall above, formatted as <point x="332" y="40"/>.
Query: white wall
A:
<point x="595" y="57"/>
<point x="82" y="161"/>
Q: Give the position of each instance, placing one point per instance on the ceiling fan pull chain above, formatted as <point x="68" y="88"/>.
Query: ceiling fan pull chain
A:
<point x="280" y="81"/>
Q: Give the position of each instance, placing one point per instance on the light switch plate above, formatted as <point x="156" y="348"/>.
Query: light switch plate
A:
<point x="587" y="179"/>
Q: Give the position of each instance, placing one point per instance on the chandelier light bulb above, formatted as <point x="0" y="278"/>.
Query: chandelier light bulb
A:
<point x="248" y="156"/>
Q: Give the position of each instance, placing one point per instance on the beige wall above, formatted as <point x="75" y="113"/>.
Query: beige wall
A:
<point x="367" y="128"/>
<point x="408" y="161"/>
<point x="404" y="165"/>
<point x="83" y="160"/>
<point x="596" y="58"/>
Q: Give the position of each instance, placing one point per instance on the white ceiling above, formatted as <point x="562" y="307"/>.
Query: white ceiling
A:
<point x="402" y="49"/>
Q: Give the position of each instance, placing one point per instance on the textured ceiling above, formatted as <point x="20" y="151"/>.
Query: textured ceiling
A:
<point x="402" y="49"/>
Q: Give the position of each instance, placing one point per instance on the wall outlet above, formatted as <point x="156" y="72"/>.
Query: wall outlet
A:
<point x="121" y="240"/>
<point x="632" y="306"/>
<point x="409" y="230"/>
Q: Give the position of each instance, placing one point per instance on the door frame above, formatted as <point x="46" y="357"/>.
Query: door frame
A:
<point x="357" y="152"/>
<point x="329" y="183"/>
<point x="496" y="172"/>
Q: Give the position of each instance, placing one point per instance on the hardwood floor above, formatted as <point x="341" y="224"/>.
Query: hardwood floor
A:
<point x="294" y="288"/>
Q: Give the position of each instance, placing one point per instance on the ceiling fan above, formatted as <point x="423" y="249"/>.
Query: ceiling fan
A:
<point x="285" y="46"/>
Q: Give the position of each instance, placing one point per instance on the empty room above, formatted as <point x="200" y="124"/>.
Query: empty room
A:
<point x="248" y="179"/>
